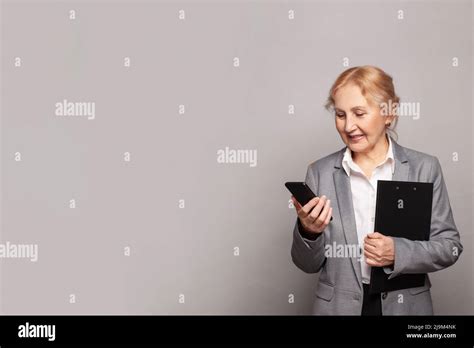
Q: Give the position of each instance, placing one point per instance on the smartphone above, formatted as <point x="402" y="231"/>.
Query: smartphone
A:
<point x="301" y="192"/>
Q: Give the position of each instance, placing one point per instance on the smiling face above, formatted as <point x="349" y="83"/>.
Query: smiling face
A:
<point x="355" y="115"/>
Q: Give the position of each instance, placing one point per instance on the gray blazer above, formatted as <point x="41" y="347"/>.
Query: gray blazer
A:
<point x="339" y="288"/>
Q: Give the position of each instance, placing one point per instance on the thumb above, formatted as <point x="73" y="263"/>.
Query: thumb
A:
<point x="375" y="235"/>
<point x="295" y="202"/>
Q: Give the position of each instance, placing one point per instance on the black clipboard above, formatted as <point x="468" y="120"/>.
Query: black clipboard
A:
<point x="403" y="209"/>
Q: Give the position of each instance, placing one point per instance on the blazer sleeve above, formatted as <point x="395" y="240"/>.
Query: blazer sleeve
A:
<point x="444" y="246"/>
<point x="308" y="255"/>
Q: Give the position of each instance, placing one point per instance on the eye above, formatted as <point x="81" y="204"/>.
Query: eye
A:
<point x="362" y="114"/>
<point x="340" y="115"/>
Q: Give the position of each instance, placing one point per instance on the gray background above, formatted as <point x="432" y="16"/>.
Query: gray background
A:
<point x="191" y="251"/>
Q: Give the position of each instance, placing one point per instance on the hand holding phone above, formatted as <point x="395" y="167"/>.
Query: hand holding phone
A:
<point x="315" y="213"/>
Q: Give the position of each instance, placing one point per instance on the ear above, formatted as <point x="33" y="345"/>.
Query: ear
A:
<point x="388" y="120"/>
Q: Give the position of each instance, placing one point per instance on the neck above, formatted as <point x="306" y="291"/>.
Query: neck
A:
<point x="374" y="155"/>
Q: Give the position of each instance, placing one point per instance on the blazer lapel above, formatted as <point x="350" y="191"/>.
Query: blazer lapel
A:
<point x="402" y="167"/>
<point x="342" y="186"/>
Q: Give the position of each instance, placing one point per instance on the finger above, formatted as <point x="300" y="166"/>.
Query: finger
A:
<point x="304" y="211"/>
<point x="375" y="235"/>
<point x="371" y="262"/>
<point x="371" y="242"/>
<point x="370" y="255"/>
<point x="328" y="218"/>
<point x="324" y="213"/>
<point x="308" y="206"/>
<point x="318" y="208"/>
<point x="369" y="247"/>
<point x="314" y="214"/>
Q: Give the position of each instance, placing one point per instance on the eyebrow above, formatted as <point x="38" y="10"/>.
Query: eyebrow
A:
<point x="353" y="108"/>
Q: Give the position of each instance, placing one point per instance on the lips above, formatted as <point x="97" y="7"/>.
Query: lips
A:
<point x="356" y="137"/>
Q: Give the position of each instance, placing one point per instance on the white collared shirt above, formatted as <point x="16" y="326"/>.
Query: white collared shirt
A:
<point x="364" y="193"/>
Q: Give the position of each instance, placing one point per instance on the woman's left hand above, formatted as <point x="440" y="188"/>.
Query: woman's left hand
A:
<point x="379" y="250"/>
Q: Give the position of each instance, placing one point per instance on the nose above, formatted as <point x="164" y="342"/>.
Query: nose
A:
<point x="349" y="124"/>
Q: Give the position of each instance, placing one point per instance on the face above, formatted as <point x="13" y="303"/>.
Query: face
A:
<point x="355" y="115"/>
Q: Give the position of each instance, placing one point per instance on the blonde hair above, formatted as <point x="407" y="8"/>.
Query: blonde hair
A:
<point x="376" y="86"/>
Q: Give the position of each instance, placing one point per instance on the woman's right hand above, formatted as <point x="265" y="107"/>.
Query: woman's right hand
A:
<point x="312" y="218"/>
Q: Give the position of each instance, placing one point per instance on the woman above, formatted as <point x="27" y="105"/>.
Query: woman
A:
<point x="347" y="180"/>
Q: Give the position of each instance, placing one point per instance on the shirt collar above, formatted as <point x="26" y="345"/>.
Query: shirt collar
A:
<point x="348" y="163"/>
